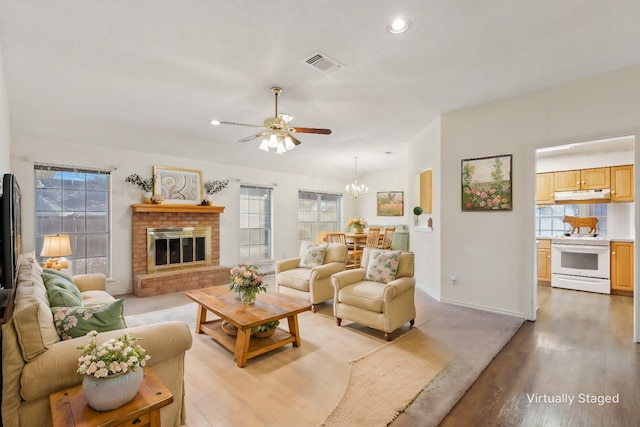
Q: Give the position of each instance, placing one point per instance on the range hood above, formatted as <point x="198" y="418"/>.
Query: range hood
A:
<point x="561" y="196"/>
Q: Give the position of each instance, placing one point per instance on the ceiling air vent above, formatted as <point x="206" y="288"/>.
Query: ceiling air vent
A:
<point x="323" y="63"/>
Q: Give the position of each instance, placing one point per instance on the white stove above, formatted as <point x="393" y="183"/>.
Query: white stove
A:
<point x="581" y="262"/>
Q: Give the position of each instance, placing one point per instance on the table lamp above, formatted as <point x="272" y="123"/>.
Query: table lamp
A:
<point x="56" y="248"/>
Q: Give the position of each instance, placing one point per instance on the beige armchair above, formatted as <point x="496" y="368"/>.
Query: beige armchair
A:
<point x="310" y="283"/>
<point x="382" y="305"/>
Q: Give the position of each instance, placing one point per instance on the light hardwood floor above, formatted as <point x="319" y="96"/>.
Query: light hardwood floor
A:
<point x="581" y="343"/>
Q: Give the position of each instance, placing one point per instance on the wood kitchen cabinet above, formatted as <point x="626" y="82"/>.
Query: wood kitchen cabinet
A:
<point x="584" y="179"/>
<point x="544" y="188"/>
<point x="622" y="187"/>
<point x="544" y="260"/>
<point x="621" y="266"/>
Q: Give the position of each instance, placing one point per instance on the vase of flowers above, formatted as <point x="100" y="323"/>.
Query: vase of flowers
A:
<point x="112" y="371"/>
<point x="357" y="224"/>
<point x="246" y="281"/>
<point x="145" y="184"/>
<point x="213" y="187"/>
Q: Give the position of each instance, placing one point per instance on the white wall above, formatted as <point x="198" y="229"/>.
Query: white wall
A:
<point x="27" y="150"/>
<point x="597" y="160"/>
<point x="425" y="154"/>
<point x="492" y="253"/>
<point x="393" y="179"/>
<point x="5" y="125"/>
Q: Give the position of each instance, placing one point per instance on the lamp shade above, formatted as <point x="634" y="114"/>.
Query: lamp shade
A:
<point x="56" y="246"/>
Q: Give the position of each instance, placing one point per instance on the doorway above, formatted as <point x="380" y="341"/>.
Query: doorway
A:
<point x="616" y="215"/>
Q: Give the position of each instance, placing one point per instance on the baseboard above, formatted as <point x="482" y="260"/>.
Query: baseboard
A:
<point x="483" y="308"/>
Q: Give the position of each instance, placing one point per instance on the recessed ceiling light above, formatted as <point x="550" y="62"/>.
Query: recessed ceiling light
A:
<point x="398" y="26"/>
<point x="214" y="123"/>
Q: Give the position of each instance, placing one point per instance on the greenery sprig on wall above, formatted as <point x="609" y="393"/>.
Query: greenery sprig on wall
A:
<point x="145" y="184"/>
<point x="216" y="186"/>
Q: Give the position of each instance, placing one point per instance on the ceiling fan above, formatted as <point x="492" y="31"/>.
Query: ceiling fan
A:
<point x="277" y="133"/>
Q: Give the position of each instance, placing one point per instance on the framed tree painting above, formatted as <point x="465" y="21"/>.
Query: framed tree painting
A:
<point x="390" y="203"/>
<point x="486" y="184"/>
<point x="178" y="186"/>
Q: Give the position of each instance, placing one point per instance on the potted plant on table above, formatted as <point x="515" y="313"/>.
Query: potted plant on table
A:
<point x="112" y="371"/>
<point x="145" y="184"/>
<point x="265" y="330"/>
<point x="213" y="187"/>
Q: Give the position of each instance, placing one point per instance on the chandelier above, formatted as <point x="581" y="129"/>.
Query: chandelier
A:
<point x="355" y="190"/>
<point x="277" y="136"/>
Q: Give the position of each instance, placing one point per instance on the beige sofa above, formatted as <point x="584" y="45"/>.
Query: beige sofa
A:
<point x="36" y="363"/>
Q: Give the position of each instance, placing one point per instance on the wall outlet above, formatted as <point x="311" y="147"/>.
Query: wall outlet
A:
<point x="454" y="279"/>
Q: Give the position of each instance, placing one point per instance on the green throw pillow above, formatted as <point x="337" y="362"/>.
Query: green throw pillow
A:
<point x="60" y="297"/>
<point x="72" y="322"/>
<point x="60" y="280"/>
<point x="51" y="271"/>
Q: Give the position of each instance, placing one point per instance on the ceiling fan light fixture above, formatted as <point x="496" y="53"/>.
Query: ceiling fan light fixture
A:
<point x="264" y="145"/>
<point x="273" y="141"/>
<point x="288" y="143"/>
<point x="286" y="117"/>
<point x="281" y="149"/>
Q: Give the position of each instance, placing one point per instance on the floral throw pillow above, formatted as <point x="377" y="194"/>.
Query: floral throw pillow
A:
<point x="72" y="322"/>
<point x="312" y="255"/>
<point x="382" y="266"/>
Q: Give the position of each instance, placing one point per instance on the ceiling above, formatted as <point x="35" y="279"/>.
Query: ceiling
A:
<point x="148" y="75"/>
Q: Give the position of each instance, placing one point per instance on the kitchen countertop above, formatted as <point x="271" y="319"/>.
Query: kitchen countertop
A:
<point x="613" y="239"/>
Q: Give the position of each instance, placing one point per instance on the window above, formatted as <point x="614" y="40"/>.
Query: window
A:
<point x="317" y="212"/>
<point x="255" y="223"/>
<point x="75" y="202"/>
<point x="549" y="218"/>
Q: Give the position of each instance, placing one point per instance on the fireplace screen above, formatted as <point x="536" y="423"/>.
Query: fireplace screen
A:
<point x="178" y="247"/>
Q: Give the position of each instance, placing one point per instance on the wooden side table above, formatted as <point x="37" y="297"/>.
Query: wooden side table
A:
<point x="68" y="407"/>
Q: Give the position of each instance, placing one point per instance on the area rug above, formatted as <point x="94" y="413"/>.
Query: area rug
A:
<point x="423" y="372"/>
<point x="184" y="313"/>
<point x="435" y="364"/>
<point x="383" y="382"/>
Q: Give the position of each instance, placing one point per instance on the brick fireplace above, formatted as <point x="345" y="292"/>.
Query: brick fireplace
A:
<point x="184" y="277"/>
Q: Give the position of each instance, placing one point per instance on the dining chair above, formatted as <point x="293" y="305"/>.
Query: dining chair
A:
<point x="373" y="238"/>
<point x="321" y="237"/>
<point x="336" y="238"/>
<point x="388" y="238"/>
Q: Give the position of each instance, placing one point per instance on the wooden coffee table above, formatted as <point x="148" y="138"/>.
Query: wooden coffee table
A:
<point x="268" y="307"/>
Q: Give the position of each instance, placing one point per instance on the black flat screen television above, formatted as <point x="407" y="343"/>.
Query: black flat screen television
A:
<point x="10" y="231"/>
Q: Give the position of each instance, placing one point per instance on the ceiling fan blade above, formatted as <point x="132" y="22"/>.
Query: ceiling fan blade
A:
<point x="249" y="138"/>
<point x="295" y="140"/>
<point x="312" y="130"/>
<point x="241" y="124"/>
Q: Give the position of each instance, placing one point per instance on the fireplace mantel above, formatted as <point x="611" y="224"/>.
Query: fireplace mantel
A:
<point x="151" y="207"/>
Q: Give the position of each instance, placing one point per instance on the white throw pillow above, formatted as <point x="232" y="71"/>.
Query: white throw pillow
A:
<point x="382" y="266"/>
<point x="312" y="255"/>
